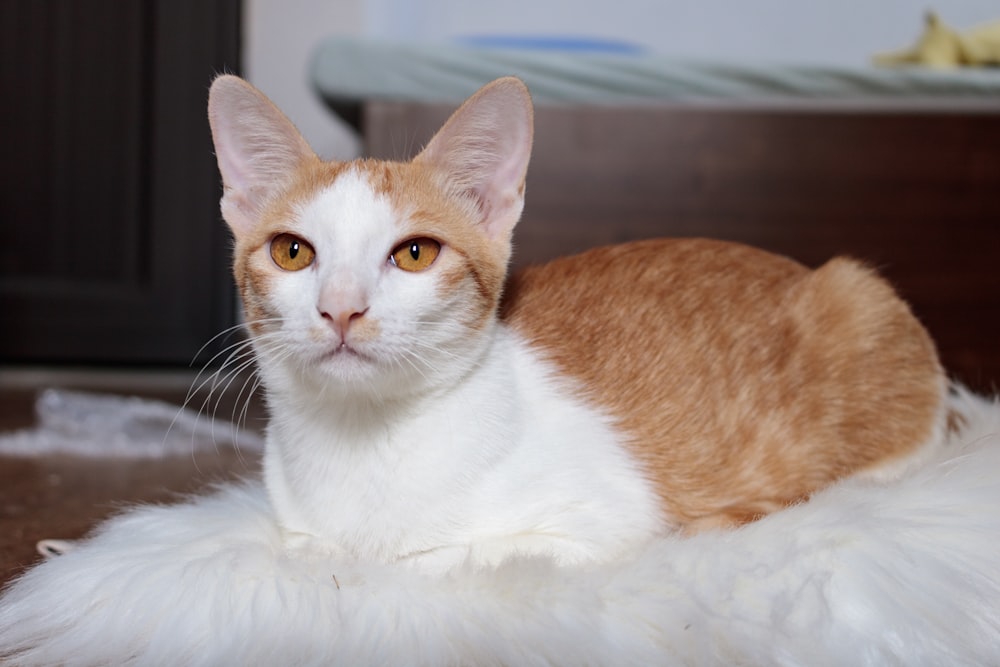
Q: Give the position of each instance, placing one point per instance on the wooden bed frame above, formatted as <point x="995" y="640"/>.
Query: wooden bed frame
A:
<point x="913" y="191"/>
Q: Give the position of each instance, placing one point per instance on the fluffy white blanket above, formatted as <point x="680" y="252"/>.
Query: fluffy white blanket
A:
<point x="903" y="573"/>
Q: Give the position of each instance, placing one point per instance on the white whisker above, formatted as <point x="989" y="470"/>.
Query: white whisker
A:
<point x="237" y="358"/>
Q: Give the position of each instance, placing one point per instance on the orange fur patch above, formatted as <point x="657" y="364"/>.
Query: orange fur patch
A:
<point x="744" y="381"/>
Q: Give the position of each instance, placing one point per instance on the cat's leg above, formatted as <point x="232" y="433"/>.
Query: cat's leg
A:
<point x="734" y="516"/>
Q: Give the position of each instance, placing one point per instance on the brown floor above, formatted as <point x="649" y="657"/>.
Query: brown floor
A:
<point x="66" y="496"/>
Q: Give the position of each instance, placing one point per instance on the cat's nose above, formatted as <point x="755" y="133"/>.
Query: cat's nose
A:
<point x="341" y="322"/>
<point x="341" y="309"/>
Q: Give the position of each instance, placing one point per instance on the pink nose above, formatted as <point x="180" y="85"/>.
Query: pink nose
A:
<point x="341" y="322"/>
<point x="341" y="308"/>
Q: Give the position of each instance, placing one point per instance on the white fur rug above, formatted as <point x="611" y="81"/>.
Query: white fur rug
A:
<point x="906" y="573"/>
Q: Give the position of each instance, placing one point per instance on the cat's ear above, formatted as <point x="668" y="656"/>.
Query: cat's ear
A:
<point x="256" y="146"/>
<point x="483" y="152"/>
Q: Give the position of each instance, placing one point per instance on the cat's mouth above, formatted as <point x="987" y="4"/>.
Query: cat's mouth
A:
<point x="346" y="351"/>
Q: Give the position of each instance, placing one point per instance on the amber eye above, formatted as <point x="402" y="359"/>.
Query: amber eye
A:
<point x="415" y="254"/>
<point x="291" y="253"/>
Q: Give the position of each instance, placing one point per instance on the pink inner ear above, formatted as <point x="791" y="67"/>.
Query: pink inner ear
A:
<point x="484" y="149"/>
<point x="256" y="146"/>
<point x="230" y="149"/>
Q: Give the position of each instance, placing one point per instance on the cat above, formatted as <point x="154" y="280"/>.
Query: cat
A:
<point x="422" y="413"/>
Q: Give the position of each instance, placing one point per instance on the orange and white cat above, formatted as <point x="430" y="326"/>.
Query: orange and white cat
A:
<point x="420" y="413"/>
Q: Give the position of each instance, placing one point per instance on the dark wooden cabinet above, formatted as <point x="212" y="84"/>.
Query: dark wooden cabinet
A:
<point x="111" y="245"/>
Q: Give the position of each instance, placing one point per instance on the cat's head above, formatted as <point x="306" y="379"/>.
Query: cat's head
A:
<point x="369" y="276"/>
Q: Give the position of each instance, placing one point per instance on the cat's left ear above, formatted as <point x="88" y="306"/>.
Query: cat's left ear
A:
<point x="483" y="152"/>
<point x="256" y="145"/>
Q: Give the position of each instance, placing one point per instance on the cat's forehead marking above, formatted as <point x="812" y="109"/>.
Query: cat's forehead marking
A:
<point x="348" y="213"/>
<point x="344" y="200"/>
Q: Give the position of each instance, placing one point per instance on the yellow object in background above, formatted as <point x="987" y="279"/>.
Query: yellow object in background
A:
<point x="943" y="47"/>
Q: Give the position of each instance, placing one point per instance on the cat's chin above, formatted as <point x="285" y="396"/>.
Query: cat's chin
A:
<point x="346" y="363"/>
<point x="349" y="371"/>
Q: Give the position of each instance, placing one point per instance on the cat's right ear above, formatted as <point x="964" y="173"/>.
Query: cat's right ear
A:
<point x="256" y="146"/>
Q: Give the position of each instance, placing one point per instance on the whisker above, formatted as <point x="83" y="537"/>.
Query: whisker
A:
<point x="238" y="420"/>
<point x="232" y="349"/>
<point x="434" y="348"/>
<point x="234" y="425"/>
<point x="227" y="382"/>
<point x="227" y="331"/>
<point x="224" y="332"/>
<point x="244" y="413"/>
<point x="236" y="354"/>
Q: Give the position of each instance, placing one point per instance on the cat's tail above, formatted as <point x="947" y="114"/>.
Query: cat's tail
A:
<point x="884" y="387"/>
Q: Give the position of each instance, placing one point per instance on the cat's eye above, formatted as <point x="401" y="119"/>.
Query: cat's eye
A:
<point x="291" y="253"/>
<point x="415" y="254"/>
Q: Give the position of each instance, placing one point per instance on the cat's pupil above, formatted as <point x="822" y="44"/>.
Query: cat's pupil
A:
<point x="293" y="250"/>
<point x="415" y="251"/>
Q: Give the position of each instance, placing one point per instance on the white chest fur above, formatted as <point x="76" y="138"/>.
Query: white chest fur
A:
<point x="506" y="461"/>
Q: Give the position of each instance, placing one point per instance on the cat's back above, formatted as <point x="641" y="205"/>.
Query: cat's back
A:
<point x="734" y="373"/>
<point x="630" y="284"/>
<point x="597" y="312"/>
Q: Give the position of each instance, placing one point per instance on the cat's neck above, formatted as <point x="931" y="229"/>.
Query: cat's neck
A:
<point x="335" y="468"/>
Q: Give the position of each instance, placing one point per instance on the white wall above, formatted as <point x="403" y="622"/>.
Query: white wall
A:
<point x="278" y="41"/>
<point x="279" y="35"/>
